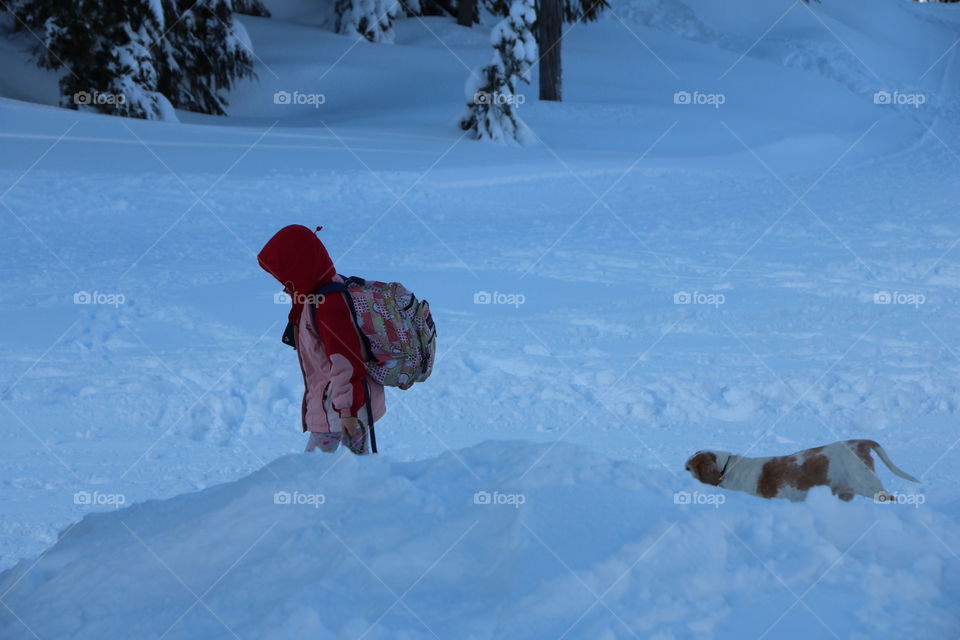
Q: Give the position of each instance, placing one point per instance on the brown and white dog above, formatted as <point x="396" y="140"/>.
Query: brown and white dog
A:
<point x="846" y="467"/>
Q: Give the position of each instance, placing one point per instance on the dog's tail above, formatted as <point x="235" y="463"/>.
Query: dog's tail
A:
<point x="886" y="460"/>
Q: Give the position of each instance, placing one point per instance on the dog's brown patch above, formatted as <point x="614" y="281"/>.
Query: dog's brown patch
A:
<point x="784" y="471"/>
<point x="863" y="448"/>
<point x="704" y="465"/>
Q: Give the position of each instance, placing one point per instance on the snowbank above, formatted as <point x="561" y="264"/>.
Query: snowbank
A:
<point x="501" y="540"/>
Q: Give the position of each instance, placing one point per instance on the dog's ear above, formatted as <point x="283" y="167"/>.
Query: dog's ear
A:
<point x="704" y="466"/>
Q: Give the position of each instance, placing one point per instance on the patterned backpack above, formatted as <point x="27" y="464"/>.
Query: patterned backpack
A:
<point x="396" y="328"/>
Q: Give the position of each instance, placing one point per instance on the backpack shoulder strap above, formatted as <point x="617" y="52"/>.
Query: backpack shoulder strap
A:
<point x="331" y="287"/>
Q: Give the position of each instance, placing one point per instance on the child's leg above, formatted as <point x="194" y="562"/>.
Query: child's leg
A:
<point x="326" y="437"/>
<point x="325" y="441"/>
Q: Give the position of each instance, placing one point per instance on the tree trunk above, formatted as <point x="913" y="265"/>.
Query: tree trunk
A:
<point x="465" y="12"/>
<point x="549" y="34"/>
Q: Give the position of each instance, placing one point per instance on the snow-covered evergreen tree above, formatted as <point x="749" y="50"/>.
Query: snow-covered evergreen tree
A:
<point x="105" y="49"/>
<point x="411" y="7"/>
<point x="573" y="10"/>
<point x="140" y="58"/>
<point x="370" y="19"/>
<point x="585" y="10"/>
<point x="251" y="8"/>
<point x="492" y="92"/>
<point x="29" y="14"/>
<point x="204" y="52"/>
<point x="436" y="8"/>
<point x="133" y="78"/>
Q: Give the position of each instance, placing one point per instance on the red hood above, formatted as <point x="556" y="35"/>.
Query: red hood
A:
<point x="299" y="261"/>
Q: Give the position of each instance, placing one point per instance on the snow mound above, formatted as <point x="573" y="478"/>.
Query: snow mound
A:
<point x="501" y="540"/>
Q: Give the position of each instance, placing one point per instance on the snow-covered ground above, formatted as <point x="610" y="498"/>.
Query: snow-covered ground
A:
<point x="783" y="215"/>
<point x="570" y="545"/>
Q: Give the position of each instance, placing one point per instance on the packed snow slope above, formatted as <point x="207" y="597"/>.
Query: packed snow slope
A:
<point x="571" y="545"/>
<point x="654" y="276"/>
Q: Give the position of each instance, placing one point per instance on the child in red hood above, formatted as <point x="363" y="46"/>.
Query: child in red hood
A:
<point x="339" y="400"/>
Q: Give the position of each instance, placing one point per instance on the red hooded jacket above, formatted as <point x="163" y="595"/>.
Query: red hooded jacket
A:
<point x="299" y="261"/>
